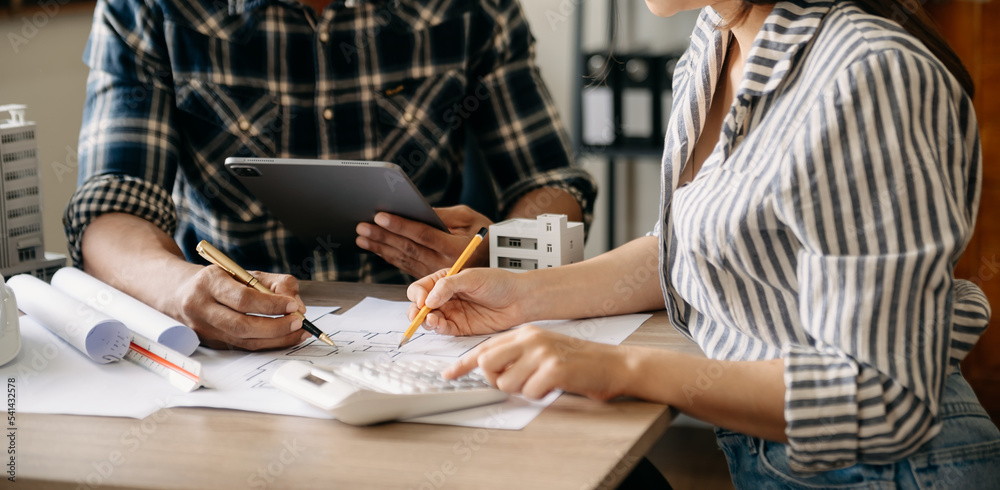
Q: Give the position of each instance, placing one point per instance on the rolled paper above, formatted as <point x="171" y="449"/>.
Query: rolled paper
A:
<point x="136" y="315"/>
<point x="100" y="337"/>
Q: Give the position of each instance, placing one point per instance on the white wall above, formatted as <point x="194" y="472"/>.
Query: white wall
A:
<point x="552" y="22"/>
<point x="47" y="74"/>
<point x="41" y="66"/>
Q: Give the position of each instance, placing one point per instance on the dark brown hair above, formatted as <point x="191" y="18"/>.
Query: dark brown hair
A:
<point x="911" y="15"/>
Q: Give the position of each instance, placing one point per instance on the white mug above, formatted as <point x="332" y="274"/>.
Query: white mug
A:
<point x="10" y="333"/>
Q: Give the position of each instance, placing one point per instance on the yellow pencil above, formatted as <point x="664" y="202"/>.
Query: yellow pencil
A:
<point x="476" y="240"/>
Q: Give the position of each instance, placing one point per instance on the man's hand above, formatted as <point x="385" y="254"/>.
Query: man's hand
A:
<point x="216" y="307"/>
<point x="125" y="251"/>
<point x="418" y="249"/>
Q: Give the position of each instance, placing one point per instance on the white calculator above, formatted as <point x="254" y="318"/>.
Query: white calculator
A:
<point x="378" y="391"/>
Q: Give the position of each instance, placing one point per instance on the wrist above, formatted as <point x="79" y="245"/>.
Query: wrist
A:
<point x="631" y="366"/>
<point x="179" y="272"/>
<point x="531" y="295"/>
<point x="655" y="375"/>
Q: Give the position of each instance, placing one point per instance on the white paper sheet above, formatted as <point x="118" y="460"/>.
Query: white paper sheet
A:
<point x="99" y="336"/>
<point x="136" y="315"/>
<point x="370" y="330"/>
<point x="52" y="377"/>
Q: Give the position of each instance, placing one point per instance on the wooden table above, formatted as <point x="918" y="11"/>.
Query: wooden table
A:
<point x="575" y="443"/>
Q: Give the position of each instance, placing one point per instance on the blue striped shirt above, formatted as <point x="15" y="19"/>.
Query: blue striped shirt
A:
<point x="825" y="226"/>
<point x="177" y="86"/>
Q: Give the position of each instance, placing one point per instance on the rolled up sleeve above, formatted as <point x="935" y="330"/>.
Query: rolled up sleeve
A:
<point x="879" y="197"/>
<point x="518" y="128"/>
<point x="128" y="146"/>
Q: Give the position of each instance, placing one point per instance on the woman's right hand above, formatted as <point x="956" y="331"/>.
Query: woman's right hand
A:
<point x="472" y="302"/>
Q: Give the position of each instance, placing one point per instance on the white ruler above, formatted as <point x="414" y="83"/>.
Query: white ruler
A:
<point x="180" y="370"/>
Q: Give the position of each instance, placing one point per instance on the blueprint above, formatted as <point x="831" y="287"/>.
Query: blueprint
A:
<point x="239" y="380"/>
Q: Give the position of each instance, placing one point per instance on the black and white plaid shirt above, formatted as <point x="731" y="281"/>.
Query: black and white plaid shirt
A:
<point x="178" y="86"/>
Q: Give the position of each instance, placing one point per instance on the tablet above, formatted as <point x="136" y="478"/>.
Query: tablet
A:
<point x="322" y="201"/>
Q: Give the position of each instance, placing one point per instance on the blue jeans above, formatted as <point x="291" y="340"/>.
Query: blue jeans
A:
<point x="964" y="455"/>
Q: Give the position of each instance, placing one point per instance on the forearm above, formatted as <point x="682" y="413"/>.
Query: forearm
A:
<point x="624" y="280"/>
<point x="742" y="396"/>
<point x="126" y="251"/>
<point x="546" y="200"/>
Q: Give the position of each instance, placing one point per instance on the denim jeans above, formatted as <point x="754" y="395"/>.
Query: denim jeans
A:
<point x="964" y="455"/>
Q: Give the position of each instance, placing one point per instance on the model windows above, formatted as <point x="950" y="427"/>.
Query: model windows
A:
<point x="518" y="242"/>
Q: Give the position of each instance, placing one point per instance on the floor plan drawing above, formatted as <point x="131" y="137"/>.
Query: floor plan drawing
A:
<point x="384" y="343"/>
<point x="368" y="332"/>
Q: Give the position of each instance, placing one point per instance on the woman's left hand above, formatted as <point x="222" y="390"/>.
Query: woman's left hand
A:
<point x="534" y="362"/>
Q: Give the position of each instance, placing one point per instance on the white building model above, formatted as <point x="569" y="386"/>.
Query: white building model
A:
<point x="527" y="244"/>
<point x="21" y="246"/>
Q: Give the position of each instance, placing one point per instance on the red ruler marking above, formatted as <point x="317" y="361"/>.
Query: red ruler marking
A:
<point x="163" y="361"/>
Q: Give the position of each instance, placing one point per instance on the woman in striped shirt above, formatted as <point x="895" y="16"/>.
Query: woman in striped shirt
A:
<point x="821" y="177"/>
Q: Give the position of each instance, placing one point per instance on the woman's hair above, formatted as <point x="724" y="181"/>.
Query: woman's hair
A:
<point x="912" y="16"/>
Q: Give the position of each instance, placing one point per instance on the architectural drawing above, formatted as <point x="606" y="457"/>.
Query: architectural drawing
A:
<point x="352" y="346"/>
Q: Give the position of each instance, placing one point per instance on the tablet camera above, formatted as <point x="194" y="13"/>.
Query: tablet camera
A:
<point x="243" y="171"/>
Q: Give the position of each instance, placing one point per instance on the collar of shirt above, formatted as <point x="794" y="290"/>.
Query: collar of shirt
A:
<point x="790" y="27"/>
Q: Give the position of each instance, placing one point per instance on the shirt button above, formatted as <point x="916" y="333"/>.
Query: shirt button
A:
<point x="408" y="116"/>
<point x="328" y="114"/>
<point x="324" y="37"/>
<point x="244" y="125"/>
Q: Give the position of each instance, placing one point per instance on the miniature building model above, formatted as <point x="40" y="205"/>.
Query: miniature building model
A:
<point x="528" y="244"/>
<point x="21" y="246"/>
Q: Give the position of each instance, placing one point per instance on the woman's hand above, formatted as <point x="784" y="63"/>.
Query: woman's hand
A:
<point x="472" y="302"/>
<point x="534" y="362"/>
<point x="216" y="307"/>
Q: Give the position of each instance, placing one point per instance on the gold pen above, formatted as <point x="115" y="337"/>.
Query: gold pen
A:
<point x="218" y="258"/>
<point x="476" y="240"/>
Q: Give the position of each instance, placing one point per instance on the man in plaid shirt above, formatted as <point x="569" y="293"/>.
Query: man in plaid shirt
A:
<point x="177" y="86"/>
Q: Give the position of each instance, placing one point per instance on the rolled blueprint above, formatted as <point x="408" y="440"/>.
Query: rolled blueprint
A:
<point x="97" y="335"/>
<point x="136" y="315"/>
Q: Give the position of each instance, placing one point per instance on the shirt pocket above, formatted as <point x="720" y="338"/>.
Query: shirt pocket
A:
<point x="417" y="119"/>
<point x="241" y="121"/>
<point x="219" y="122"/>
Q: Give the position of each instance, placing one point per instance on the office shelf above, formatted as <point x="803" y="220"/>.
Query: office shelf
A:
<point x="621" y="146"/>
